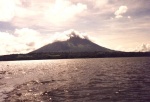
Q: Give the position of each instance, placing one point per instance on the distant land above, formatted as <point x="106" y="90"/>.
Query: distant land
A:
<point x="75" y="47"/>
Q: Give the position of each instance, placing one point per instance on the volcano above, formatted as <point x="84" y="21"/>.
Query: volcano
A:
<point x="73" y="44"/>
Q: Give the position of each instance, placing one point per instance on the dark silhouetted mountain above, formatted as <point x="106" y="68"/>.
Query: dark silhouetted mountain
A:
<point x="74" y="44"/>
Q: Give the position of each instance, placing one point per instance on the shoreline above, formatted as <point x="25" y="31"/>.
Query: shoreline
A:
<point x="73" y="55"/>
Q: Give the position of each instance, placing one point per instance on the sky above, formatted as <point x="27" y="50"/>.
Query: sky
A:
<point x="26" y="25"/>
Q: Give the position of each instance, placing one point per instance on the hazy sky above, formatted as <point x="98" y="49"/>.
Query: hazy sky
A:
<point x="117" y="24"/>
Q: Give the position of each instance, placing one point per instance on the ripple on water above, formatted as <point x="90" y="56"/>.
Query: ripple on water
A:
<point x="78" y="80"/>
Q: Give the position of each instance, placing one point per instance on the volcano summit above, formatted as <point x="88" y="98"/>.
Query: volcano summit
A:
<point x="74" y="44"/>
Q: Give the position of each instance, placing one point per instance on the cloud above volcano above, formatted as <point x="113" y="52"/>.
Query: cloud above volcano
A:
<point x="28" y="24"/>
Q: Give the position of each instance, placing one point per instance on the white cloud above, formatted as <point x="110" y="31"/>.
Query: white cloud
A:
<point x="10" y="9"/>
<point x="62" y="36"/>
<point x="143" y="48"/>
<point x="129" y="17"/>
<point x="119" y="16"/>
<point x="7" y="10"/>
<point x="120" y="11"/>
<point x="140" y="48"/>
<point x="20" y="12"/>
<point x="7" y="41"/>
<point x="63" y="10"/>
<point x="22" y="41"/>
<point x="99" y="3"/>
<point x="28" y="37"/>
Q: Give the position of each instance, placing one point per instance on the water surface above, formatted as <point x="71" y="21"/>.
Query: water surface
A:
<point x="76" y="80"/>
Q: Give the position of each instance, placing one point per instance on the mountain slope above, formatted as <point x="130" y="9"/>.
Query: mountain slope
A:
<point x="74" y="44"/>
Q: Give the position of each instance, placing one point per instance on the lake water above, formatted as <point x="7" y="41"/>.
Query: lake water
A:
<point x="76" y="80"/>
